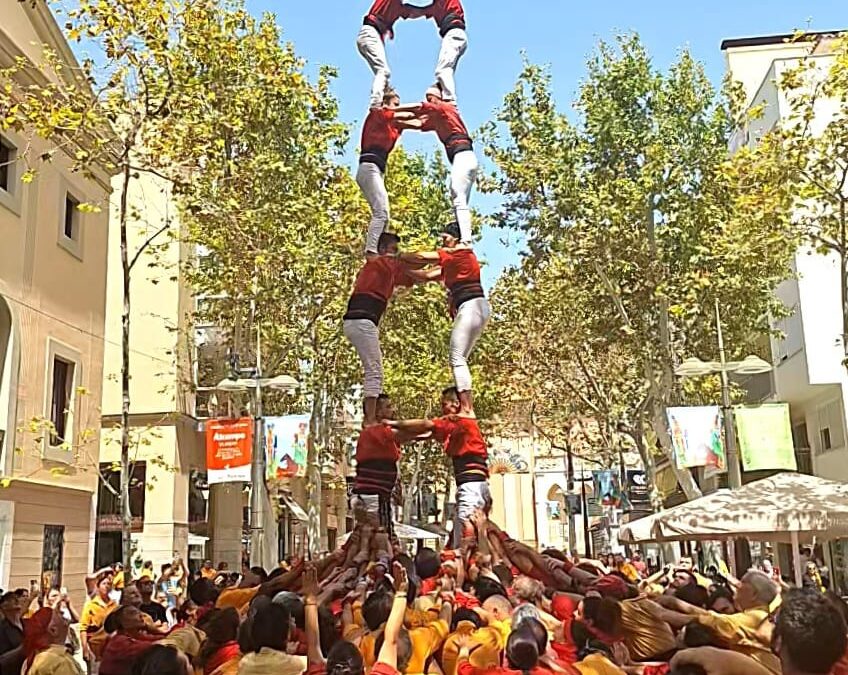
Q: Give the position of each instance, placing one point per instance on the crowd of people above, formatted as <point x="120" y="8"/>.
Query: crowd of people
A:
<point x="493" y="607"/>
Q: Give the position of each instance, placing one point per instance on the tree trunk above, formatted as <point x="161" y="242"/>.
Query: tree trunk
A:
<point x="126" y="514"/>
<point x="843" y="270"/>
<point x="313" y="476"/>
<point x="413" y="489"/>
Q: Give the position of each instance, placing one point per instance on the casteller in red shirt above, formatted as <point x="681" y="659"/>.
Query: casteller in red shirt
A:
<point x="445" y="120"/>
<point x="461" y="276"/>
<point x="374" y="286"/>
<point x="447" y="14"/>
<point x="380" y="134"/>
<point x="464" y="444"/>
<point x="384" y="14"/>
<point x="377" y="455"/>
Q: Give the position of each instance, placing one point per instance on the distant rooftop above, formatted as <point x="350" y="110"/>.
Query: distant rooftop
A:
<point x="764" y="40"/>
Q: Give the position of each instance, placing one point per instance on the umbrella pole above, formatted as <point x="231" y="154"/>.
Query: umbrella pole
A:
<point x="796" y="559"/>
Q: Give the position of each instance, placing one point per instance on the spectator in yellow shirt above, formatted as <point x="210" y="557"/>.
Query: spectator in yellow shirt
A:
<point x="94" y="613"/>
<point x="485" y="642"/>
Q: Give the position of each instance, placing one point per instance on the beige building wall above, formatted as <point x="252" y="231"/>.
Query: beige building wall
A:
<point x="52" y="305"/>
<point x="164" y="432"/>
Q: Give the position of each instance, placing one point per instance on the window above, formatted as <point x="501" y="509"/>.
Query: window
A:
<point x="70" y="227"/>
<point x="831" y="434"/>
<point x="7" y="159"/>
<point x="51" y="557"/>
<point x="60" y="402"/>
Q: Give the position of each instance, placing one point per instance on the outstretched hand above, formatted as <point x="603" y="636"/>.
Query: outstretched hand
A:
<point x="310" y="582"/>
<point x="401" y="580"/>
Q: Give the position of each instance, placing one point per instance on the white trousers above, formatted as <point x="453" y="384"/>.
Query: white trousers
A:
<point x="365" y="338"/>
<point x="454" y="44"/>
<point x="369" y="178"/>
<point x="373" y="50"/>
<point x="462" y="177"/>
<point x="467" y="327"/>
<point x="469" y="498"/>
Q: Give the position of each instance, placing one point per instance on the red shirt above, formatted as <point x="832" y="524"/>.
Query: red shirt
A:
<point x="384" y="669"/>
<point x="462" y="437"/>
<point x="441" y="9"/>
<point x="377" y="442"/>
<point x="385" y="13"/>
<point x="444" y="119"/>
<point x="122" y="651"/>
<point x="379" y="131"/>
<point x="380" y="276"/>
<point x="459" y="265"/>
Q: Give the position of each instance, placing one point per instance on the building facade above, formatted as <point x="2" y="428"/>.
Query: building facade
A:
<point x="53" y="262"/>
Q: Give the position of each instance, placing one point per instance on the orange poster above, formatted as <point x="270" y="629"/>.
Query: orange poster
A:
<point x="228" y="450"/>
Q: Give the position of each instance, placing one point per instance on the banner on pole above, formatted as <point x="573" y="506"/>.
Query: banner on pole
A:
<point x="764" y="433"/>
<point x="285" y="446"/>
<point x="696" y="437"/>
<point x="607" y="488"/>
<point x="228" y="450"/>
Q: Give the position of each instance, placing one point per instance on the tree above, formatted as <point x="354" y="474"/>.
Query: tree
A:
<point x="641" y="217"/>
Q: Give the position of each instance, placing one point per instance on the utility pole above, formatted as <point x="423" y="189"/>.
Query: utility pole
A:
<point x="734" y="471"/>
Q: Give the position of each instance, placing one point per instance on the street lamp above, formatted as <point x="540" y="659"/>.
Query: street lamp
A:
<point x="258" y="489"/>
<point x="751" y="365"/>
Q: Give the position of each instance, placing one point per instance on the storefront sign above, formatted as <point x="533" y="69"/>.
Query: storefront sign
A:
<point x="228" y="450"/>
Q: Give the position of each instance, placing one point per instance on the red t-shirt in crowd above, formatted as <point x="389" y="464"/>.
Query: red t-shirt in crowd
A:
<point x="444" y="119"/>
<point x="380" y="276"/>
<point x="462" y="437"/>
<point x="377" y="442"/>
<point x="379" y="131"/>
<point x="385" y="13"/>
<point x="384" y="669"/>
<point x="458" y="265"/>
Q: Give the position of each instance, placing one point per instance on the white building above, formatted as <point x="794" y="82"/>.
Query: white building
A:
<point x="809" y="374"/>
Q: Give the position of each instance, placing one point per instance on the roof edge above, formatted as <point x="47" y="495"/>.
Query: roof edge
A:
<point x="764" y="40"/>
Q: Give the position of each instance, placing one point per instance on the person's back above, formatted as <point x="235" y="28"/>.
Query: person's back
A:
<point x="647" y="637"/>
<point x="269" y="632"/>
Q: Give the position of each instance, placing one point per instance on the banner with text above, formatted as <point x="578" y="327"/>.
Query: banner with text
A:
<point x="285" y="446"/>
<point x="696" y="437"/>
<point x="228" y="450"/>
<point x="764" y="433"/>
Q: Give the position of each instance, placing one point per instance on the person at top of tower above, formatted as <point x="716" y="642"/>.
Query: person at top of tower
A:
<point x="450" y="20"/>
<point x="463" y="442"/>
<point x="377" y="25"/>
<point x="459" y="269"/>
<point x="444" y="119"/>
<point x="380" y="133"/>
<point x="375" y="284"/>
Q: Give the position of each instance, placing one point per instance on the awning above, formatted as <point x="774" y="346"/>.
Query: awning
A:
<point x="412" y="532"/>
<point x="294" y="508"/>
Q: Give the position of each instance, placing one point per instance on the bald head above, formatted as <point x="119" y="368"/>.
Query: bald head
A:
<point x="498" y="606"/>
<point x="756" y="590"/>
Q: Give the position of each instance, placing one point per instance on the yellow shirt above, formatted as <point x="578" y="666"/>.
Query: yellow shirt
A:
<point x="597" y="664"/>
<point x="208" y="574"/>
<point x="118" y="580"/>
<point x="645" y="635"/>
<point x="237" y="597"/>
<point x="54" y="660"/>
<point x="486" y="643"/>
<point x="94" y="612"/>
<point x="629" y="571"/>
<point x="747" y="632"/>
<point x="426" y="641"/>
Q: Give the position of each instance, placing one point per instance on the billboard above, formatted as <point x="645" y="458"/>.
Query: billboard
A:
<point x="286" y="441"/>
<point x="764" y="433"/>
<point x="228" y="450"/>
<point x="696" y="437"/>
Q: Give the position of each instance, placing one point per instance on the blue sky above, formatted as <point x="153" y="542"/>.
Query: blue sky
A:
<point x="561" y="33"/>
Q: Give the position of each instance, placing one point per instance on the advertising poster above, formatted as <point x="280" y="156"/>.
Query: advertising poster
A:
<point x="696" y="437"/>
<point x="285" y="445"/>
<point x="228" y="450"/>
<point x="764" y="433"/>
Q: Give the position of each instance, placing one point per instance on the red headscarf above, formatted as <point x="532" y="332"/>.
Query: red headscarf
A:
<point x="611" y="586"/>
<point x="36" y="638"/>
<point x="563" y="608"/>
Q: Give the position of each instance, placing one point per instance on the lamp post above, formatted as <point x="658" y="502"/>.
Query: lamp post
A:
<point x="258" y="490"/>
<point x="751" y="365"/>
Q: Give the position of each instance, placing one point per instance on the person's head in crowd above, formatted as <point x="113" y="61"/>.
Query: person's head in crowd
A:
<point x="836" y="600"/>
<point x="54" y="596"/>
<point x="404" y="648"/>
<point x="104" y="585"/>
<point x="694" y="594"/>
<point x="686" y="563"/>
<point x="126" y="619"/>
<point x="602" y="614"/>
<point x="376" y="609"/>
<point x="613" y="586"/>
<point x="586" y="643"/>
<point x="131" y="596"/>
<point x="522" y="649"/>
<point x="223" y="566"/>
<point x="162" y="660"/>
<point x="344" y="659"/>
<point x="682" y="576"/>
<point x="503" y="573"/>
<point x="270" y="628"/>
<point x="292" y="603"/>
<point x="259" y="573"/>
<point x="524" y="612"/>
<point x="463" y="614"/>
<point x="427" y="563"/>
<point x="498" y="606"/>
<point x="529" y="590"/>
<point x="220" y="626"/>
<point x="44" y="628"/>
<point x="536" y="628"/>
<point x="809" y="634"/>
<point x="167" y="571"/>
<point x="486" y="587"/>
<point x="188" y="612"/>
<point x="145" y="587"/>
<point x="696" y="634"/>
<point x="10" y="607"/>
<point x="755" y="590"/>
<point x="203" y="592"/>
<point x="721" y="600"/>
<point x="563" y="607"/>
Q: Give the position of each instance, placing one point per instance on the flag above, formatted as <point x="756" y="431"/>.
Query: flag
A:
<point x="764" y="434"/>
<point x="696" y="437"/>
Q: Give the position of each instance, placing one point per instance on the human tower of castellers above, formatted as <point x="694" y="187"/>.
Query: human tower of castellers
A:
<point x="487" y="604"/>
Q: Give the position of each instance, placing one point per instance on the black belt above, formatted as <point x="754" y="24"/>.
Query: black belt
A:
<point x="380" y="26"/>
<point x="470" y="469"/>
<point x="367" y="307"/>
<point x="456" y="143"/>
<point x="376" y="156"/>
<point x="452" y="20"/>
<point x="462" y="292"/>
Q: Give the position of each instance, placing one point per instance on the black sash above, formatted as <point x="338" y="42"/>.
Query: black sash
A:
<point x="456" y="143"/>
<point x="452" y="20"/>
<point x="376" y="156"/>
<point x="470" y="469"/>
<point x="364" y="306"/>
<point x="375" y="477"/>
<point x="462" y="292"/>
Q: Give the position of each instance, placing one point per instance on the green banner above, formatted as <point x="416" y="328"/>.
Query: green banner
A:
<point x="764" y="433"/>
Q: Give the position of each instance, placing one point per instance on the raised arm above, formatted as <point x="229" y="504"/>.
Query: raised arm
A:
<point x="414" y="108"/>
<point x="412" y="124"/>
<point x="388" y="652"/>
<point x="314" y="657"/>
<point x="425" y="276"/>
<point x="420" y="257"/>
<point x="414" y="427"/>
<point x="282" y="582"/>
